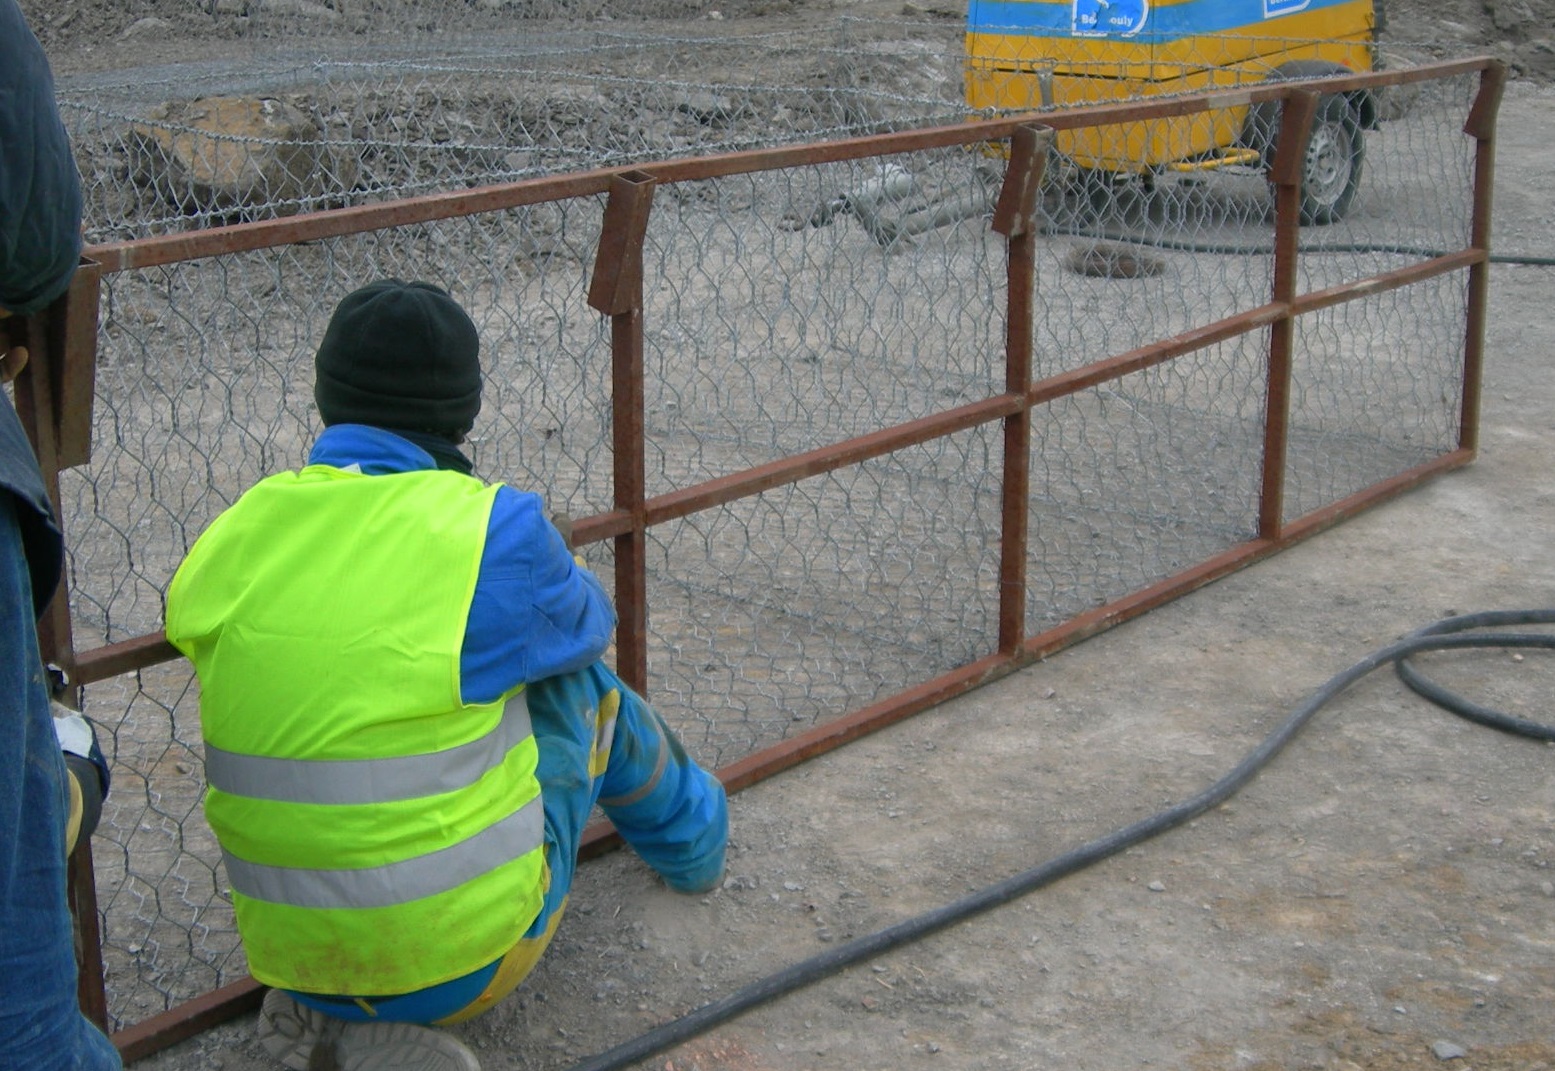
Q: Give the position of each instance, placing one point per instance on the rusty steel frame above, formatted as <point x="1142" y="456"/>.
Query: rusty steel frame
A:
<point x="54" y="398"/>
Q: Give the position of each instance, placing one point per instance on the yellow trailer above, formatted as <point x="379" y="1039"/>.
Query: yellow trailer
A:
<point x="1028" y="55"/>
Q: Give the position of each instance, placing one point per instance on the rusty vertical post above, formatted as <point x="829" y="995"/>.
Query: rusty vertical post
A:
<point x="1481" y="126"/>
<point x="1289" y="162"/>
<point x="73" y="364"/>
<point x="1015" y="217"/>
<point x="616" y="290"/>
<point x="81" y="892"/>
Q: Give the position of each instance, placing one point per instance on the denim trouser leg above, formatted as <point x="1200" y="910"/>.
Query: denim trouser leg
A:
<point x="41" y="1026"/>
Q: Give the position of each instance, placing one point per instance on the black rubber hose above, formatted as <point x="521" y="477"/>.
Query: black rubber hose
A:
<point x="1449" y="700"/>
<point x="1450" y="633"/>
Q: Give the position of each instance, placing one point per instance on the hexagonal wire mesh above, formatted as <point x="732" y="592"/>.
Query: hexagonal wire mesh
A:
<point x="786" y="310"/>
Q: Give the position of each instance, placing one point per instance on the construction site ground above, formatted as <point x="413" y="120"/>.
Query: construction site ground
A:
<point x="1381" y="897"/>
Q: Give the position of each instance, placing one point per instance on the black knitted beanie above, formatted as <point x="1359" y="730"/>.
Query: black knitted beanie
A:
<point x="400" y="355"/>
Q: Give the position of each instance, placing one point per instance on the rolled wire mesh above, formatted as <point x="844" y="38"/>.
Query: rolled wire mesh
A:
<point x="785" y="310"/>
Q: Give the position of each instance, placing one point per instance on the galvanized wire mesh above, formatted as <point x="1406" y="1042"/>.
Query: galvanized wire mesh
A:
<point x="352" y="121"/>
<point x="785" y="310"/>
<point x="1376" y="387"/>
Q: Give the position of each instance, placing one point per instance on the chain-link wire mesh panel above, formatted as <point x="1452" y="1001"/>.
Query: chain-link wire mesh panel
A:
<point x="789" y="310"/>
<point x="785" y="610"/>
<point x="1365" y="403"/>
<point x="354" y="121"/>
<point x="785" y="310"/>
<point x="204" y="387"/>
<point x="1138" y="479"/>
<point x="167" y="926"/>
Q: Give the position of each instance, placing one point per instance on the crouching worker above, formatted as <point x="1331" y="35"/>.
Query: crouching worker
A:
<point x="406" y="718"/>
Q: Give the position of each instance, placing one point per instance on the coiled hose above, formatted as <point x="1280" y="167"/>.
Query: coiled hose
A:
<point x="1464" y="631"/>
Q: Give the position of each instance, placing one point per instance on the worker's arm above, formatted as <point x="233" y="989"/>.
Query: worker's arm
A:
<point x="88" y="774"/>
<point x="537" y="611"/>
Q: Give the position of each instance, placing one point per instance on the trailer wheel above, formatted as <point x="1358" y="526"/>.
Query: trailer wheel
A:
<point x="1331" y="172"/>
<point x="1336" y="151"/>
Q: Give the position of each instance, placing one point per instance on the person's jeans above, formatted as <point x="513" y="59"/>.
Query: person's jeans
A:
<point x="41" y="1025"/>
<point x="599" y="743"/>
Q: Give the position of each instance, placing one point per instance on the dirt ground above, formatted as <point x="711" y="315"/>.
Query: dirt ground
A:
<point x="81" y="36"/>
<point x="1380" y="898"/>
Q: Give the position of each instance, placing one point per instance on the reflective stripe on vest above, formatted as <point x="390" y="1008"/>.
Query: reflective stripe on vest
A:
<point x="396" y="883"/>
<point x="351" y="781"/>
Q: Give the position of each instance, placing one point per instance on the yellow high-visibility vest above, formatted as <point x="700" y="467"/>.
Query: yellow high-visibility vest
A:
<point x="379" y="835"/>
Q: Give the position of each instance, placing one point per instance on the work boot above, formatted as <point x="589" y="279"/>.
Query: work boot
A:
<point x="307" y="1040"/>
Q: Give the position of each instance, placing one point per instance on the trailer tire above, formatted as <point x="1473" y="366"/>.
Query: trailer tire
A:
<point x="1331" y="170"/>
<point x="1336" y="151"/>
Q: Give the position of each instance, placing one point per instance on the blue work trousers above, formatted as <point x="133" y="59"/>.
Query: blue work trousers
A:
<point x="41" y="1025"/>
<point x="671" y="811"/>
